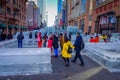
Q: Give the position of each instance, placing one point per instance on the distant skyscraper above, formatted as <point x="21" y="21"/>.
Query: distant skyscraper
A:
<point x="59" y="6"/>
<point x="42" y="6"/>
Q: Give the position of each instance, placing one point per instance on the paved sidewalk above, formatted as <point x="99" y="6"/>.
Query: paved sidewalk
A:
<point x="91" y="71"/>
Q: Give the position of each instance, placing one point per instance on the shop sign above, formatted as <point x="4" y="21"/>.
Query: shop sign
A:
<point x="104" y="20"/>
<point x="113" y="20"/>
<point x="107" y="7"/>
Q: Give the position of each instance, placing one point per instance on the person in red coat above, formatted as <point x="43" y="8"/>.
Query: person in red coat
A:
<point x="39" y="39"/>
<point x="49" y="45"/>
<point x="92" y="40"/>
<point x="97" y="39"/>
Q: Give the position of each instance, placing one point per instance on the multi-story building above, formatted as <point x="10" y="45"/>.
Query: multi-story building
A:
<point x="59" y="8"/>
<point x="77" y="13"/>
<point x="33" y="17"/>
<point x="64" y="13"/>
<point x="56" y="22"/>
<point x="42" y="6"/>
<point x="106" y="16"/>
<point x="12" y="15"/>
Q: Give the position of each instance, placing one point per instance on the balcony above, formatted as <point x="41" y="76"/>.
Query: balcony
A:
<point x="16" y="7"/>
<point x="4" y="1"/>
<point x="77" y="2"/>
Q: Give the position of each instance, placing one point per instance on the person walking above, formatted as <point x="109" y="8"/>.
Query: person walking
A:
<point x="20" y="38"/>
<point x="61" y="41"/>
<point x="77" y="44"/>
<point x="45" y="37"/>
<point x="49" y="45"/>
<point x="65" y="54"/>
<point x="39" y="39"/>
<point x="55" y="45"/>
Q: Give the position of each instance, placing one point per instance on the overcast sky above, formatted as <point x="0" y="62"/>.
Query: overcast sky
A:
<point x="51" y="7"/>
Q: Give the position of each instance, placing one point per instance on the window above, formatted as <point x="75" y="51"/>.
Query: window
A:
<point x="89" y="29"/>
<point x="14" y="1"/>
<point x="82" y="25"/>
<point x="90" y="17"/>
<point x="8" y="10"/>
<point x="76" y="23"/>
<point x="98" y="2"/>
<point x="0" y="5"/>
<point x="83" y="4"/>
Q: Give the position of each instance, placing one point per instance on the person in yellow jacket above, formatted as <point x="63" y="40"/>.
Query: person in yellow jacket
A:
<point x="65" y="55"/>
<point x="104" y="37"/>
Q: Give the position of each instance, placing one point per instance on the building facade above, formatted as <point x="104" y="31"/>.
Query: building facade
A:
<point x="12" y="15"/>
<point x="59" y="4"/>
<point x="42" y="6"/>
<point x="78" y="14"/>
<point x="106" y="16"/>
<point x="33" y="18"/>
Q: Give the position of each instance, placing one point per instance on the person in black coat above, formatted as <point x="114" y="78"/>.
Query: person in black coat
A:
<point x="3" y="36"/>
<point x="30" y="35"/>
<point x="77" y="45"/>
<point x="55" y="45"/>
<point x="20" y="38"/>
<point x="9" y="36"/>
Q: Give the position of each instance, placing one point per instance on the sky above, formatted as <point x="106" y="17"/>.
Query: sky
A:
<point x="51" y="7"/>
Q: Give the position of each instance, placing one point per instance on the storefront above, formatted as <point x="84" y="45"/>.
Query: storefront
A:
<point x="107" y="17"/>
<point x="106" y="23"/>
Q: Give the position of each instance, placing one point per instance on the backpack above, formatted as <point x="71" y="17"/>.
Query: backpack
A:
<point x="69" y="50"/>
<point x="82" y="45"/>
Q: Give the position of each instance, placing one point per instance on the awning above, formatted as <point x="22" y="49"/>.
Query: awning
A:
<point x="16" y="27"/>
<point x="2" y="25"/>
<point x="10" y="26"/>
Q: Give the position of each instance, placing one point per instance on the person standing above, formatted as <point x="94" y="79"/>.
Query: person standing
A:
<point x="39" y="39"/>
<point x="55" y="46"/>
<point x="77" y="45"/>
<point x="45" y="37"/>
<point x="20" y="38"/>
<point x="35" y="35"/>
<point x="61" y="41"/>
<point x="65" y="54"/>
<point x="9" y="36"/>
<point x="30" y="35"/>
<point x="3" y="36"/>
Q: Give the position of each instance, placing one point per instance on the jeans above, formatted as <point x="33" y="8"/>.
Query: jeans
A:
<point x="19" y="44"/>
<point x="56" y="52"/>
<point x="45" y="43"/>
<point x="78" y="55"/>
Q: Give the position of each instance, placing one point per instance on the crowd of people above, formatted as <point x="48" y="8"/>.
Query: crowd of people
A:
<point x="54" y="41"/>
<point x="104" y="37"/>
<point x="4" y="36"/>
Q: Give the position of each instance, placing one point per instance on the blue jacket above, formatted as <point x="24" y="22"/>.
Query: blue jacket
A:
<point x="78" y="42"/>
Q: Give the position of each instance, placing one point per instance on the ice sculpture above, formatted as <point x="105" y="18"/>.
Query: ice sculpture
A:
<point x="15" y="61"/>
<point x="101" y="53"/>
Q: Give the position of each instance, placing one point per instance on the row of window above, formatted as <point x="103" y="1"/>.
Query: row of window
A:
<point x="98" y="2"/>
